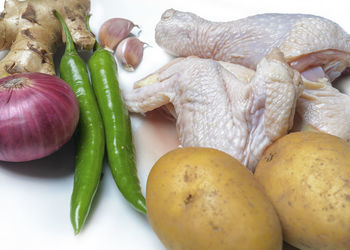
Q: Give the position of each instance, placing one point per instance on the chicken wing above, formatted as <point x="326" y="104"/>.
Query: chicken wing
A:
<point x="214" y="108"/>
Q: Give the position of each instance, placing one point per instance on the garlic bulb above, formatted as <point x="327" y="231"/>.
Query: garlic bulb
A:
<point x="130" y="52"/>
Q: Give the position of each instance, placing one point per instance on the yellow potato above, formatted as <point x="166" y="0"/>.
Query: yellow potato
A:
<point x="307" y="177"/>
<point x="201" y="198"/>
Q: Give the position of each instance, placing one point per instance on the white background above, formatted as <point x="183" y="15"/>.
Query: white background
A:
<point x="35" y="196"/>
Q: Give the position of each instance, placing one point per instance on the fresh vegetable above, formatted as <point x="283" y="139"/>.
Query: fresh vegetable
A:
<point x="113" y="31"/>
<point x="130" y="52"/>
<point x="202" y="198"/>
<point x="32" y="33"/>
<point x="38" y="114"/>
<point x="306" y="175"/>
<point x="91" y="140"/>
<point x="116" y="120"/>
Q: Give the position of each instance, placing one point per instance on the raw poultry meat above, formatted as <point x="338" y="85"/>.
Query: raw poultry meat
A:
<point x="219" y="109"/>
<point x="322" y="107"/>
<point x="317" y="47"/>
<point x="306" y="41"/>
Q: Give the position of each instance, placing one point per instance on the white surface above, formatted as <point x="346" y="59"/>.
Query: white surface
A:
<point x="35" y="196"/>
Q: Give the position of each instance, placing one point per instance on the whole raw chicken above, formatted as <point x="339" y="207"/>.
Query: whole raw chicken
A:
<point x="224" y="106"/>
<point x="317" y="47"/>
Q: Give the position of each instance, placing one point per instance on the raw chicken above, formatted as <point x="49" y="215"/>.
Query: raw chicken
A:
<point x="214" y="108"/>
<point x="306" y="41"/>
<point x="322" y="107"/>
<point x="317" y="47"/>
<point x="319" y="108"/>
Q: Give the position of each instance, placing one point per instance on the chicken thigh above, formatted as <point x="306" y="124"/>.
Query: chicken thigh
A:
<point x="306" y="41"/>
<point x="214" y="108"/>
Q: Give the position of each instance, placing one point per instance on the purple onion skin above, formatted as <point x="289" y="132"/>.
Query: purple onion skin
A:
<point x="38" y="115"/>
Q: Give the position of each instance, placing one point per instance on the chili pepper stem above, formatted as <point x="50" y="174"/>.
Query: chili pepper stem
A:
<point x="70" y="48"/>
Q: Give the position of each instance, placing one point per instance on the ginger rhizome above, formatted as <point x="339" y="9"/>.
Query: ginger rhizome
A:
<point x="32" y="33"/>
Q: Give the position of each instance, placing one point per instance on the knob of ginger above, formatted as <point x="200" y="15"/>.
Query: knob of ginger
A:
<point x="32" y="33"/>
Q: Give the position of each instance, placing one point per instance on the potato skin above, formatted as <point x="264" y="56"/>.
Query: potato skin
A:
<point x="202" y="198"/>
<point x="306" y="175"/>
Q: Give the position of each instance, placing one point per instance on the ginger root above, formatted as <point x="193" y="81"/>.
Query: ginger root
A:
<point x="32" y="33"/>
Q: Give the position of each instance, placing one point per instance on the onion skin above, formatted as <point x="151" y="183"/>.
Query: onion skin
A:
<point x="38" y="115"/>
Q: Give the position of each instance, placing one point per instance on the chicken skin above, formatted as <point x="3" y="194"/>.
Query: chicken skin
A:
<point x="317" y="47"/>
<point x="307" y="41"/>
<point x="216" y="108"/>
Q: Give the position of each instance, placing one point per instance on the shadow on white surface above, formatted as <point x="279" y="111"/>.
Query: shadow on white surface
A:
<point x="56" y="165"/>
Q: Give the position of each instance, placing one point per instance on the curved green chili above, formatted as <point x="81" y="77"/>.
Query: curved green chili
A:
<point x="91" y="138"/>
<point x="116" y="120"/>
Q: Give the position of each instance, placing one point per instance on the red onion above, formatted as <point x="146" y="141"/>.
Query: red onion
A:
<point x="38" y="114"/>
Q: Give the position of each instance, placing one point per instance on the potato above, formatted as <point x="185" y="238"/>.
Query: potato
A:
<point x="306" y="175"/>
<point x="201" y="198"/>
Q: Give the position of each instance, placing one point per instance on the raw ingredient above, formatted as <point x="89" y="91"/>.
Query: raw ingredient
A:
<point x="202" y="198"/>
<point x="130" y="52"/>
<point x="116" y="120"/>
<point x="306" y="175"/>
<point x="113" y="31"/>
<point x="38" y="114"/>
<point x="215" y="109"/>
<point x="306" y="41"/>
<point x="32" y="33"/>
<point x="91" y="139"/>
<point x="317" y="47"/>
<point x="322" y="107"/>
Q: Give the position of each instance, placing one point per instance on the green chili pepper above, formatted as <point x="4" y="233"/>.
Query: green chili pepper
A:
<point x="91" y="138"/>
<point x="116" y="120"/>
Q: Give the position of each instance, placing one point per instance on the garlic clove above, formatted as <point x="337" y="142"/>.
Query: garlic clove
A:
<point x="113" y="31"/>
<point x="129" y="53"/>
